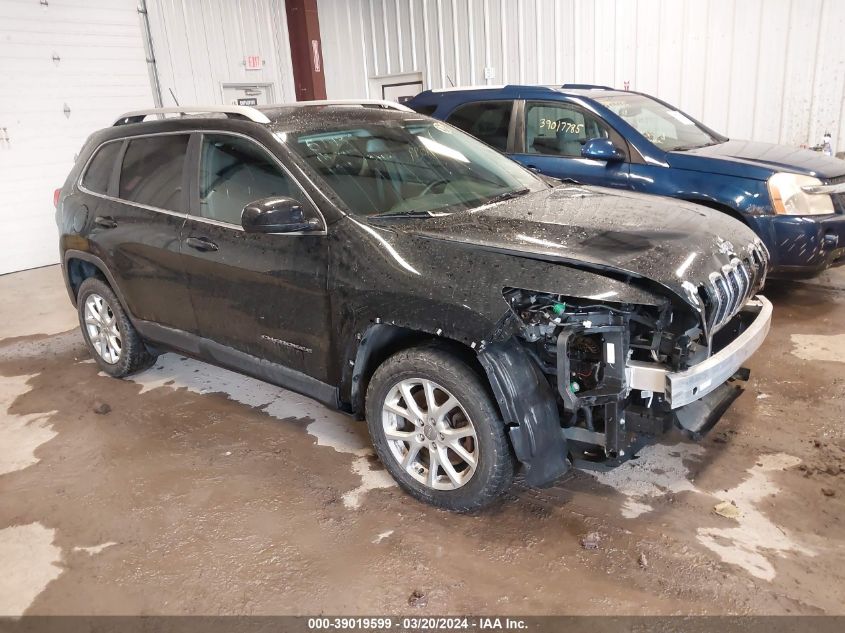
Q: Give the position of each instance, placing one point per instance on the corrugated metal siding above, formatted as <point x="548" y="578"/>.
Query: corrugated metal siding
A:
<point x="99" y="73"/>
<point x="201" y="45"/>
<point x="770" y="70"/>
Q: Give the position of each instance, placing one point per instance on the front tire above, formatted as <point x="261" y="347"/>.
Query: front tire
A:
<point x="437" y="431"/>
<point x="111" y="338"/>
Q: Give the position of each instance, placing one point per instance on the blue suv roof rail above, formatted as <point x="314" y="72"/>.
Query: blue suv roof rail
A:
<point x="585" y="87"/>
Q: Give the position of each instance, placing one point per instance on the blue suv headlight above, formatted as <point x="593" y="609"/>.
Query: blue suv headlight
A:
<point x="790" y="195"/>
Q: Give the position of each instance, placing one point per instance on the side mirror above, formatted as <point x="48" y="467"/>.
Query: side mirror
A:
<point x="602" y="149"/>
<point x="277" y="214"/>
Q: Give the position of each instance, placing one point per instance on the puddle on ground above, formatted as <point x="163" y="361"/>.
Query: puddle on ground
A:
<point x="822" y="347"/>
<point x="30" y="560"/>
<point x="745" y="544"/>
<point x="20" y="435"/>
<point x="30" y="563"/>
<point x="660" y="470"/>
<point x="330" y="428"/>
<point x="341" y="438"/>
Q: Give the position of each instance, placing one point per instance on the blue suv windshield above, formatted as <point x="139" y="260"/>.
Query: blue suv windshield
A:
<point x="404" y="166"/>
<point x="666" y="127"/>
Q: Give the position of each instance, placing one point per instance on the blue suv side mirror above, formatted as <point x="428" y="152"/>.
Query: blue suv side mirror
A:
<point x="602" y="149"/>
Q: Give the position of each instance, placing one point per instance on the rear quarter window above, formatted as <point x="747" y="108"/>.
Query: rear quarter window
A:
<point x="101" y="167"/>
<point x="486" y="120"/>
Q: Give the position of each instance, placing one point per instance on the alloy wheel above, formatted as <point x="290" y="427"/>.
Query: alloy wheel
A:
<point x="430" y="434"/>
<point x="102" y="330"/>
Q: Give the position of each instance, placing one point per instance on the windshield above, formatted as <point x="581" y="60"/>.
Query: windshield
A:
<point x="405" y="166"/>
<point x="666" y="127"/>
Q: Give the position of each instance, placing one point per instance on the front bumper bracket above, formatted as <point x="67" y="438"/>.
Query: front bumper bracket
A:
<point x="685" y="387"/>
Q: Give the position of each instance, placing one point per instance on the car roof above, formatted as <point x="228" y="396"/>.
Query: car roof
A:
<point x="289" y="117"/>
<point x="302" y="117"/>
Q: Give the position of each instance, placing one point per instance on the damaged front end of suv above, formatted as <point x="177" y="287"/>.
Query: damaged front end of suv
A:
<point x="609" y="377"/>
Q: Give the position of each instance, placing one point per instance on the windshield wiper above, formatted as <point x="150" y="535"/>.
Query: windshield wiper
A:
<point x="684" y="149"/>
<point x="409" y="213"/>
<point x="507" y="195"/>
<point x="415" y="213"/>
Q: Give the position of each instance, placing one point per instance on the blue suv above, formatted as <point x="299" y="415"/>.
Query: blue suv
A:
<point x="794" y="199"/>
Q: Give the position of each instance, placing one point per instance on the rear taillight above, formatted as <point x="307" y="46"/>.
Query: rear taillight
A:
<point x="56" y="195"/>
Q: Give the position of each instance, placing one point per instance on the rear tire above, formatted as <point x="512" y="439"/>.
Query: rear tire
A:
<point x="451" y="422"/>
<point x="111" y="338"/>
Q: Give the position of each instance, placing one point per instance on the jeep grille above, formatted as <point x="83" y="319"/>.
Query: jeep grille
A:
<point x="727" y="290"/>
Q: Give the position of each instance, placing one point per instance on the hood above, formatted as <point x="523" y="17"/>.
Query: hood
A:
<point x="625" y="234"/>
<point x="736" y="158"/>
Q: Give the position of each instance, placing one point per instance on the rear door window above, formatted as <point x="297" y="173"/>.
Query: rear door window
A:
<point x="486" y="120"/>
<point x="560" y="129"/>
<point x="99" y="172"/>
<point x="152" y="171"/>
<point x="234" y="172"/>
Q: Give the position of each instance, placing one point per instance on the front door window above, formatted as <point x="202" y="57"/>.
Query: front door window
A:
<point x="559" y="129"/>
<point x="233" y="173"/>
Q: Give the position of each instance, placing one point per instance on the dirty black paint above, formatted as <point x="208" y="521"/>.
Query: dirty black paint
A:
<point x="303" y="303"/>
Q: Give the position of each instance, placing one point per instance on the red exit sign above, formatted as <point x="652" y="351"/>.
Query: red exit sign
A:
<point x="252" y="62"/>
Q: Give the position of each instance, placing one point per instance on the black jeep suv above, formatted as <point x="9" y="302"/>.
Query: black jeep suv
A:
<point x="481" y="318"/>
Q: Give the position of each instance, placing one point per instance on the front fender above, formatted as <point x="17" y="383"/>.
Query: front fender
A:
<point x="525" y="398"/>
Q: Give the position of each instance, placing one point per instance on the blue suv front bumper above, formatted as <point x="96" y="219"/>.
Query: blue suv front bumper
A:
<point x="802" y="245"/>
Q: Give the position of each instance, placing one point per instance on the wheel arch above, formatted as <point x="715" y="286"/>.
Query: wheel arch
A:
<point x="524" y="399"/>
<point x="719" y="206"/>
<point x="79" y="266"/>
<point x="382" y="340"/>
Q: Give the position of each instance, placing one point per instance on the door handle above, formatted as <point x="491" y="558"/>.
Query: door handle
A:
<point x="201" y="244"/>
<point x="105" y="221"/>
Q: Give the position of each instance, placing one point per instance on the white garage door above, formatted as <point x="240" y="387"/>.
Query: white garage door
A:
<point x="67" y="68"/>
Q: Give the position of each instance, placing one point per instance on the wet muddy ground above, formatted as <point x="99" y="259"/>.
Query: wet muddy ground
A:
<point x="192" y="490"/>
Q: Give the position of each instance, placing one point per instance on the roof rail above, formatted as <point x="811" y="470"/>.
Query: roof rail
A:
<point x="585" y="87"/>
<point x="378" y="103"/>
<point x="460" y="88"/>
<point x="233" y="111"/>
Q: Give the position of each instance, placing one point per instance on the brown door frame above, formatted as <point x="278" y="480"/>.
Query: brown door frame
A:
<point x="306" y="49"/>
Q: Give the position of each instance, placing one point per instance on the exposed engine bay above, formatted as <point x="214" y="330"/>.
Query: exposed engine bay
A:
<point x="584" y="348"/>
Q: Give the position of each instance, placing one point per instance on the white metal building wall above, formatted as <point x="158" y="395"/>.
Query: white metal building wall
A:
<point x="67" y="68"/>
<point x="770" y="70"/>
<point x="200" y="45"/>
